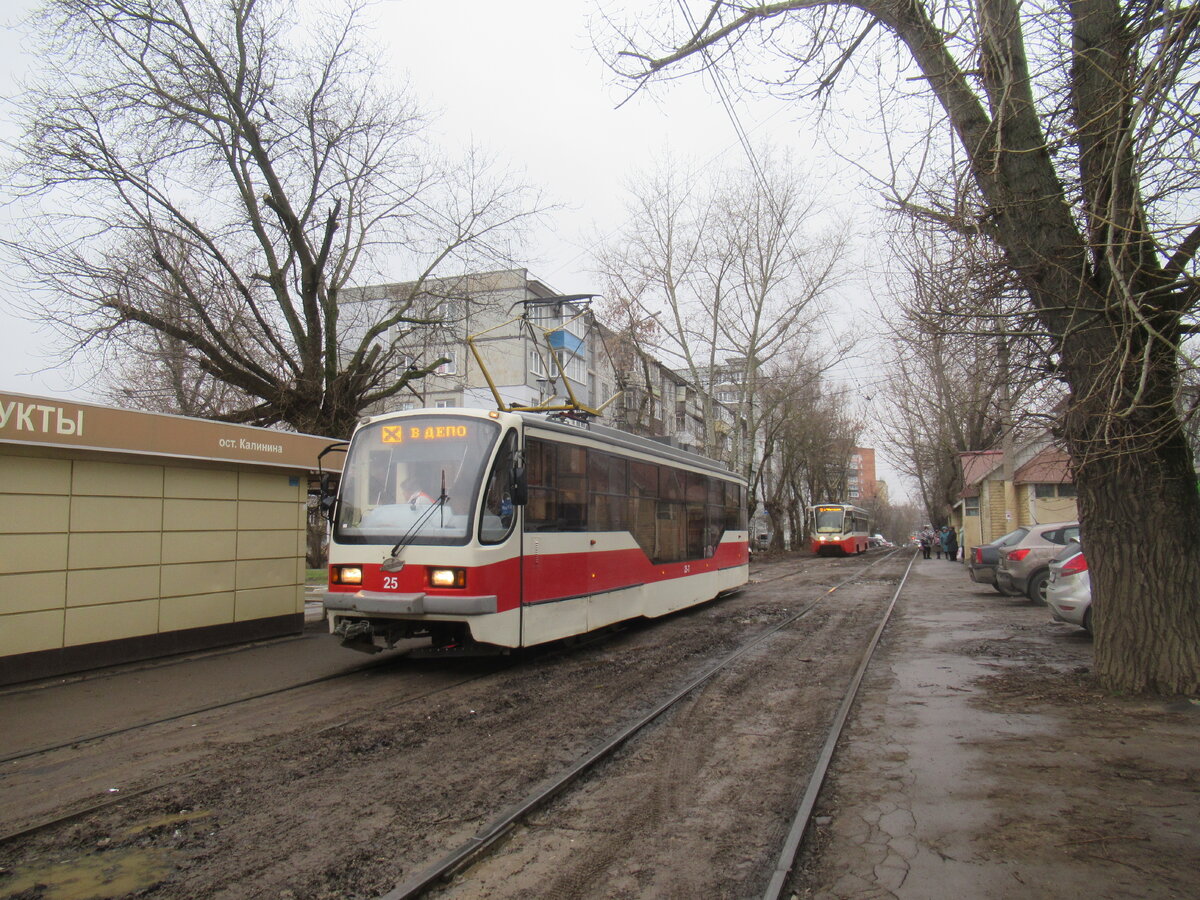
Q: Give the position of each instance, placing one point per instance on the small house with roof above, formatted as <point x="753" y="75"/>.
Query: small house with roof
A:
<point x="1041" y="490"/>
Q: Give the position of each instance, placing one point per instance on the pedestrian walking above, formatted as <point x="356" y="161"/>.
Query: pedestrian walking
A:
<point x="939" y="541"/>
<point x="926" y="539"/>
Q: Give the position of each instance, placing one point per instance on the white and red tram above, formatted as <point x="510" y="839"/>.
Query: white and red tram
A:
<point x="840" y="528"/>
<point x="478" y="527"/>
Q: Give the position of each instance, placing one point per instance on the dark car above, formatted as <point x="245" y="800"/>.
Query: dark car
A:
<point x="982" y="560"/>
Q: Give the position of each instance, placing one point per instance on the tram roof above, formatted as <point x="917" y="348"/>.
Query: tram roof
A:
<point x="604" y="434"/>
<point x="615" y="436"/>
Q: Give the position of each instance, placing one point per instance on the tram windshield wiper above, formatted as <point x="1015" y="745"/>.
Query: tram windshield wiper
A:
<point x="392" y="564"/>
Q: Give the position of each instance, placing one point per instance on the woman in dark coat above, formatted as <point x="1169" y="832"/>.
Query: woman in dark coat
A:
<point x="949" y="542"/>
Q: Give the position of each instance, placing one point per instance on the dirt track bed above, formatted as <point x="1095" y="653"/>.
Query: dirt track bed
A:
<point x="357" y="789"/>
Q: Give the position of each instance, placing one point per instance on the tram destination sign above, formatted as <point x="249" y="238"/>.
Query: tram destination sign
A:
<point x="398" y="434"/>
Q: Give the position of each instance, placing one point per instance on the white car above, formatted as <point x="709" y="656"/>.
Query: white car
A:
<point x="1069" y="588"/>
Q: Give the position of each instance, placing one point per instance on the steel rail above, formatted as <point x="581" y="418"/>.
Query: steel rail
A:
<point x="791" y="845"/>
<point x="150" y="723"/>
<point x="105" y="803"/>
<point x="498" y="827"/>
<point x="224" y="704"/>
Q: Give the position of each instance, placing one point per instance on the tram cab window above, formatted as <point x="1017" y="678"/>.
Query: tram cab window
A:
<point x="413" y="478"/>
<point x="829" y="520"/>
<point x="499" y="514"/>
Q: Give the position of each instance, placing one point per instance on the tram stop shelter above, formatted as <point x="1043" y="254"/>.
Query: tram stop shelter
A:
<point x="129" y="535"/>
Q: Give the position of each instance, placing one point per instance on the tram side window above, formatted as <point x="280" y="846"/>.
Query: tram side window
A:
<point x="672" y="532"/>
<point x="541" y="511"/>
<point x="700" y="542"/>
<point x="643" y="505"/>
<point x="608" y="501"/>
<point x="714" y="520"/>
<point x="735" y="508"/>
<point x="572" y="488"/>
<point x="557" y="475"/>
<point x="497" y="520"/>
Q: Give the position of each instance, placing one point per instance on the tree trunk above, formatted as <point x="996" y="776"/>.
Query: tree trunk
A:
<point x="1140" y="510"/>
<point x="1144" y="561"/>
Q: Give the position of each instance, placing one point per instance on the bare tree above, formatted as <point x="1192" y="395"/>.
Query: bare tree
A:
<point x="735" y="268"/>
<point x="1077" y="128"/>
<point x="808" y="437"/>
<point x="246" y="152"/>
<point x="962" y="356"/>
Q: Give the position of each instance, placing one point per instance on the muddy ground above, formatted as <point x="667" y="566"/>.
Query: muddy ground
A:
<point x="980" y="762"/>
<point x="343" y="789"/>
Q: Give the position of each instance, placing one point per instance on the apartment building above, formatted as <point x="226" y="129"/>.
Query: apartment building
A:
<point x="595" y="366"/>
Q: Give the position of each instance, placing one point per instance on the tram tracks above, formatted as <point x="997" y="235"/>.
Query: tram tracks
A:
<point x="376" y="662"/>
<point x="104" y="803"/>
<point x="494" y="831"/>
<point x="409" y="779"/>
<point x="82" y="740"/>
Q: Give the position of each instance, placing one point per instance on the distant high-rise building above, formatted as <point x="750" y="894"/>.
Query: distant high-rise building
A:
<point x="860" y="475"/>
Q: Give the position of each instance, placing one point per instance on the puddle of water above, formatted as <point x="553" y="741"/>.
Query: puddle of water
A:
<point x="174" y="819"/>
<point x="99" y="876"/>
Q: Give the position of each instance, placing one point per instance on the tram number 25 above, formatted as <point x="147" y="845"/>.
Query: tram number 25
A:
<point x="390" y="582"/>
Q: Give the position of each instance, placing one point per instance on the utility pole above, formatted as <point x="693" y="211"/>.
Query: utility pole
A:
<point x="1006" y="445"/>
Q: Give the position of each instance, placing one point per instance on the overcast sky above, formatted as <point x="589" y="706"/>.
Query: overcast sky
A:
<point x="522" y="80"/>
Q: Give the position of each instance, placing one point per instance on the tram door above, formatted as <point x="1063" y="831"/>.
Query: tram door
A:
<point x="555" y="573"/>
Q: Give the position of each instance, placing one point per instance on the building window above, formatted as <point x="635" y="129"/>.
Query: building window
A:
<point x="1049" y="491"/>
<point x="537" y="365"/>
<point x="971" y="506"/>
<point x="448" y="368"/>
<point x="575" y="368"/>
<point x="443" y="404"/>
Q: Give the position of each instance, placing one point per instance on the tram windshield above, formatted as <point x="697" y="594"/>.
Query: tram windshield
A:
<point x="829" y="520"/>
<point x="413" y="479"/>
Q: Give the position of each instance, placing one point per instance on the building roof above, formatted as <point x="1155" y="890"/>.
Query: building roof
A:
<point x="1050" y="466"/>
<point x="976" y="466"/>
<point x="74" y="425"/>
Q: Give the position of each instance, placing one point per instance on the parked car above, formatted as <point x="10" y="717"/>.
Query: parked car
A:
<point x="1024" y="567"/>
<point x="1069" y="590"/>
<point x="981" y="561"/>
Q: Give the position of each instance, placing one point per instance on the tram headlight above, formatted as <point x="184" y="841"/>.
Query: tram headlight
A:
<point x="345" y="574"/>
<point x="447" y="578"/>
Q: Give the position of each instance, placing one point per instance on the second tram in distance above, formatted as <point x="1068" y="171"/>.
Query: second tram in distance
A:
<point x="840" y="528"/>
<point x="474" y="527"/>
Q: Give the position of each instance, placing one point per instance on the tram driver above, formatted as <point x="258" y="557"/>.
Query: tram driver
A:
<point x="414" y="493"/>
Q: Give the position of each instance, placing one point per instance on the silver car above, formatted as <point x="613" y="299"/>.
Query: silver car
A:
<point x="1069" y="588"/>
<point x="1024" y="567"/>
